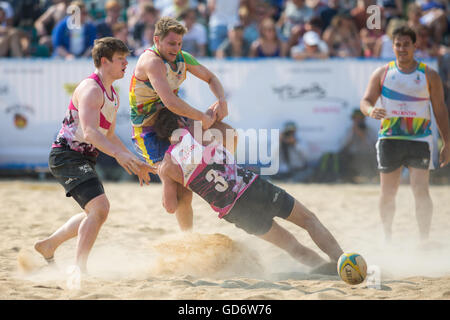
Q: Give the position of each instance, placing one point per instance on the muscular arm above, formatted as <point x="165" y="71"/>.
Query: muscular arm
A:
<point x="156" y="72"/>
<point x="215" y="86"/>
<point x="373" y="92"/>
<point x="89" y="98"/>
<point x="440" y="112"/>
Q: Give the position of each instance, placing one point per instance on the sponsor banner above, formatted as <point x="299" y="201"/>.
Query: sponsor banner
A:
<point x="319" y="96"/>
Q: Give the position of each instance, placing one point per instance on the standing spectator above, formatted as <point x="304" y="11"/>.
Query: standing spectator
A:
<point x="104" y="27"/>
<point x="268" y="44"/>
<point x="235" y="45"/>
<point x="48" y="20"/>
<point x="70" y="41"/>
<point x="9" y="39"/>
<point x="196" y="38"/>
<point x="294" y="17"/>
<point x="311" y="47"/>
<point x="223" y="15"/>
<point x="342" y="37"/>
<point x="149" y="16"/>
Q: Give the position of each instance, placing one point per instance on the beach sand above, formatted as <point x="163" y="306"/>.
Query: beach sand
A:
<point x="141" y="254"/>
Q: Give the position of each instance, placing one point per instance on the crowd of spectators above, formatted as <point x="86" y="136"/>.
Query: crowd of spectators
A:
<point x="299" y="29"/>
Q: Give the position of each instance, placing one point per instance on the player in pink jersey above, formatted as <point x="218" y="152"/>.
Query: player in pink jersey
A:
<point x="88" y="126"/>
<point x="238" y="195"/>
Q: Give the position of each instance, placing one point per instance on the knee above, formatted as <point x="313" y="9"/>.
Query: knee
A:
<point x="100" y="211"/>
<point x="421" y="192"/>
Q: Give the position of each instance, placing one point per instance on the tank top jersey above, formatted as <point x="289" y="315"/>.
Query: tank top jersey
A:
<point x="406" y="98"/>
<point x="144" y="100"/>
<point x="211" y="172"/>
<point x="71" y="134"/>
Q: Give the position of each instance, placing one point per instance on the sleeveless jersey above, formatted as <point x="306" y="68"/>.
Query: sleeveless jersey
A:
<point x="144" y="100"/>
<point x="211" y="172"/>
<point x="71" y="134"/>
<point x="406" y="98"/>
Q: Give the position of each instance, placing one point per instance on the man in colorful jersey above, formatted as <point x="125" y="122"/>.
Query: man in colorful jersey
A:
<point x="239" y="196"/>
<point x="409" y="90"/>
<point x="89" y="125"/>
<point x="159" y="73"/>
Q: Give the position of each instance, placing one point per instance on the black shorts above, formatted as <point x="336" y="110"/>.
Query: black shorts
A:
<point x="393" y="153"/>
<point x="259" y="204"/>
<point x="76" y="173"/>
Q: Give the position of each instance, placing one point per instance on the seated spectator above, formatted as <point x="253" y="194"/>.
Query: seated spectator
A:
<point x="392" y="9"/>
<point x="235" y="45"/>
<point x="175" y="9"/>
<point x="48" y="20"/>
<point x="70" y="41"/>
<point x="223" y="15"/>
<point x="135" y="12"/>
<point x="414" y="12"/>
<point x="293" y="18"/>
<point x="293" y="163"/>
<point x="311" y="47"/>
<point x="327" y="13"/>
<point x="149" y="16"/>
<point x="147" y="40"/>
<point x="425" y="47"/>
<point x="8" y="20"/>
<point x="120" y="31"/>
<point x="9" y="38"/>
<point x="195" y="40"/>
<point x="268" y="44"/>
<point x="434" y="16"/>
<point x="104" y="27"/>
<point x="257" y="11"/>
<point x="383" y="46"/>
<point x="357" y="157"/>
<point x="342" y="37"/>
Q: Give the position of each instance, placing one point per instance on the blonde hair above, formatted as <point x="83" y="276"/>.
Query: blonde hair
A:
<point x="167" y="24"/>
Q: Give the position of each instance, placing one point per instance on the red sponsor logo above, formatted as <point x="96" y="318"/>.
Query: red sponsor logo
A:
<point x="404" y="113"/>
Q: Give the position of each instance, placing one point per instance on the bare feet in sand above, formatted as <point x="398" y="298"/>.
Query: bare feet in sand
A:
<point x="45" y="249"/>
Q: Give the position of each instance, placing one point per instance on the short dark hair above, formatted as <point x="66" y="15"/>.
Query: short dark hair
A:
<point x="106" y="47"/>
<point x="404" y="31"/>
<point x="166" y="122"/>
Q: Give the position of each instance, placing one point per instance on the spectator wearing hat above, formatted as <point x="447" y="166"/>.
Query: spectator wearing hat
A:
<point x="235" y="45"/>
<point x="311" y="47"/>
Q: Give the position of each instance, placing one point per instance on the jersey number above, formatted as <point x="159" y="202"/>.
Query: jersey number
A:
<point x="221" y="184"/>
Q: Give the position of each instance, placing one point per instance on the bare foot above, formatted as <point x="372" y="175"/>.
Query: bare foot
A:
<point x="44" y="248"/>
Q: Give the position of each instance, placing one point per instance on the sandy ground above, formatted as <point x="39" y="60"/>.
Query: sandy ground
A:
<point x="141" y="254"/>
